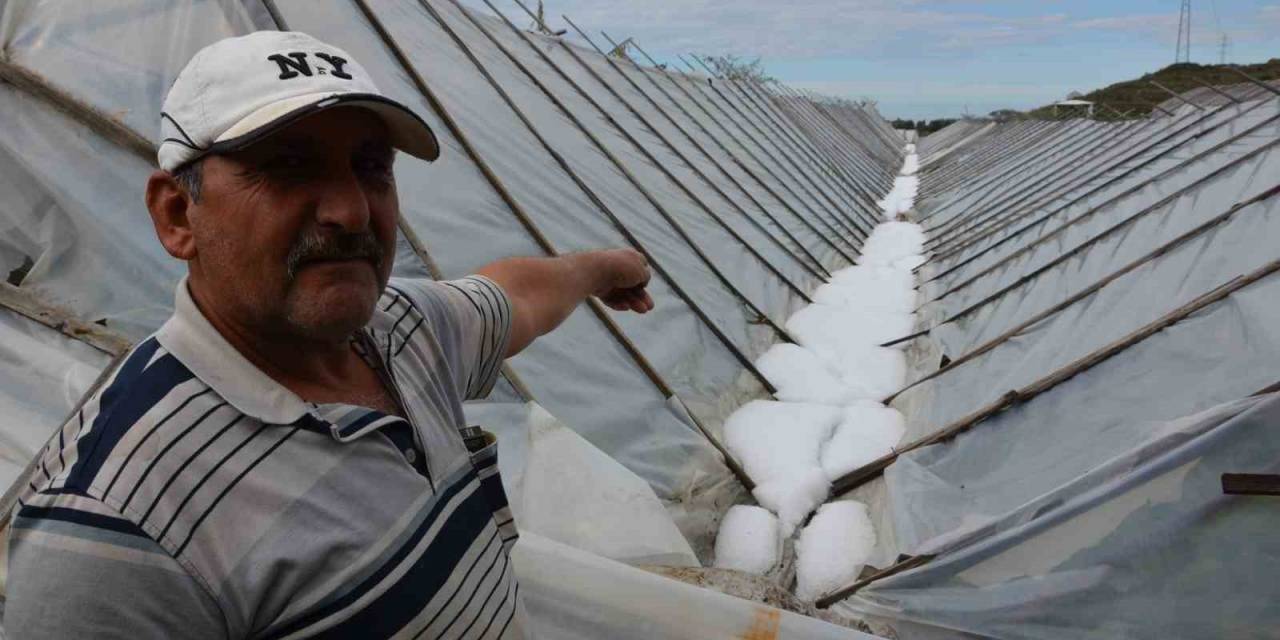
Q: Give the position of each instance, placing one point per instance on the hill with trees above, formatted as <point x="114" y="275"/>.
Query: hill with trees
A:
<point x="1137" y="97"/>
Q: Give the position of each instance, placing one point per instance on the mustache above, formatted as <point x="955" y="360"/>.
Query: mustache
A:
<point x="315" y="245"/>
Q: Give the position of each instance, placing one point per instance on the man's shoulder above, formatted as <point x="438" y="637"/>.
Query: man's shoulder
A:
<point x="444" y="294"/>
<point x="150" y="445"/>
<point x="148" y="388"/>
<point x="413" y="308"/>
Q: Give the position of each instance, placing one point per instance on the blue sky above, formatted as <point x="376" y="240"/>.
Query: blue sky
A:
<point x="939" y="58"/>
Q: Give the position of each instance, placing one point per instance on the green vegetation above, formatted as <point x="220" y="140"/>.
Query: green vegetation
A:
<point x="923" y="127"/>
<point x="1137" y="96"/>
<point x="736" y="68"/>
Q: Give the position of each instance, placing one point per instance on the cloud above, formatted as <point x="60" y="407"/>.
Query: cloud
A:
<point x="951" y="55"/>
<point x="802" y="29"/>
<point x="1258" y="25"/>
<point x="915" y="99"/>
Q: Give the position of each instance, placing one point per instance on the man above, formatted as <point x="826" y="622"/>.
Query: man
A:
<point x="283" y="457"/>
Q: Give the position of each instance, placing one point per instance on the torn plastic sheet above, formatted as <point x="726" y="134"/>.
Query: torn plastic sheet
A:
<point x="574" y="595"/>
<point x="42" y="376"/>
<point x="572" y="492"/>
<point x="1145" y="546"/>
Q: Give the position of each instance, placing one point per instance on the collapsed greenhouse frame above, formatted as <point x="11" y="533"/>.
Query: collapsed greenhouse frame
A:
<point x="1103" y="270"/>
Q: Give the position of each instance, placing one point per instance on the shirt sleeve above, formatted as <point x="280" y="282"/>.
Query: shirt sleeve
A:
<point x="85" y="572"/>
<point x="471" y="320"/>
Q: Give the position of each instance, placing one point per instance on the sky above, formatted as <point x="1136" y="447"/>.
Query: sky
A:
<point x="933" y="58"/>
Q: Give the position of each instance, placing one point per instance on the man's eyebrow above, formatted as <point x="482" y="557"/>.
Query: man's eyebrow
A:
<point x="378" y="146"/>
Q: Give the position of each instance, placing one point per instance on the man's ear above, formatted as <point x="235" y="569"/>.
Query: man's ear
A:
<point x="170" y="206"/>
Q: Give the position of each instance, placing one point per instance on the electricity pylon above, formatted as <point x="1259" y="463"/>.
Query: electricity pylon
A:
<point x="1183" y="52"/>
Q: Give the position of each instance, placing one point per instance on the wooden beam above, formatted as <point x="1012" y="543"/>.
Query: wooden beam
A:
<point x="1159" y="251"/>
<point x="865" y="473"/>
<point x="1251" y="484"/>
<point x="905" y="564"/>
<point x="1175" y="94"/>
<point x="29" y="305"/>
<point x="92" y="117"/>
<point x="1264" y="85"/>
<point x="1242" y="484"/>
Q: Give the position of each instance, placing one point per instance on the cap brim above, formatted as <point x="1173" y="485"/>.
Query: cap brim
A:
<point x="409" y="133"/>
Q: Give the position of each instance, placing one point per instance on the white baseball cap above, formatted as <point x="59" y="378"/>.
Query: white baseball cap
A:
<point x="236" y="91"/>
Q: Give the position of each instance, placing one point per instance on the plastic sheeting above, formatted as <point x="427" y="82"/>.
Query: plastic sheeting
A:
<point x="572" y="595"/>
<point x="1235" y="247"/>
<point x="42" y="376"/>
<point x="82" y="224"/>
<point x="1186" y="167"/>
<point x="569" y="491"/>
<point x="122" y="57"/>
<point x="579" y="372"/>
<point x="1226" y="351"/>
<point x="795" y="180"/>
<point x="72" y="201"/>
<point x="1166" y="144"/>
<point x="1145" y="545"/>
<point x="1091" y="505"/>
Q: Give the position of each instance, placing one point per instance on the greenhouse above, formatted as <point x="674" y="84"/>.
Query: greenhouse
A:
<point x="998" y="381"/>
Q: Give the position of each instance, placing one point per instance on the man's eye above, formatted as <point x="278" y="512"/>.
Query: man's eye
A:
<point x="374" y="168"/>
<point x="372" y="164"/>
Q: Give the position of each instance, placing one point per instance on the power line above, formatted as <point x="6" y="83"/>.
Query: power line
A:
<point x="1224" y="41"/>
<point x="1183" y="54"/>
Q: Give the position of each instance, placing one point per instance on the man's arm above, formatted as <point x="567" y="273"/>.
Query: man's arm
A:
<point x="79" y="570"/>
<point x="544" y="291"/>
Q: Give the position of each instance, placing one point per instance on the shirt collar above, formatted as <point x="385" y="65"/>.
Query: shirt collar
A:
<point x="191" y="339"/>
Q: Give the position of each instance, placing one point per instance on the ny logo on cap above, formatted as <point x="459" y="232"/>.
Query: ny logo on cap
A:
<point x="294" y="64"/>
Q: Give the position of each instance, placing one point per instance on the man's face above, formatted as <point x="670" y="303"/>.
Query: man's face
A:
<point x="296" y="234"/>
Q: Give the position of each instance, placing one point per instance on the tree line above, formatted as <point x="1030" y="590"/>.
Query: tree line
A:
<point x="924" y="127"/>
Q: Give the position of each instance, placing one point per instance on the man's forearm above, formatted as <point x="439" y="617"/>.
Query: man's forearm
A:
<point x="544" y="291"/>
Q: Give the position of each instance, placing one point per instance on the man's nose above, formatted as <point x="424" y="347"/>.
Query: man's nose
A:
<point x="343" y="203"/>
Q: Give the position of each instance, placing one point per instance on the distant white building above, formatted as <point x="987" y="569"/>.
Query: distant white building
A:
<point x="1074" y="104"/>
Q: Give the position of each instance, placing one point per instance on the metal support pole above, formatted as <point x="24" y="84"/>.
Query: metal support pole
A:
<point x="595" y="199"/>
<point x="1175" y="94"/>
<point x="833" y="210"/>
<point x="1159" y="108"/>
<point x="1264" y="85"/>
<point x="864" y="474"/>
<point x="523" y="217"/>
<point x="1217" y="90"/>
<point x="643" y="150"/>
<point x="1135" y="188"/>
<point x="794" y="107"/>
<point x="815" y="266"/>
<point x="851" y="186"/>
<point x="833" y="228"/>
<point x="824" y="167"/>
<point x="613" y="64"/>
<point x="662" y="211"/>
<point x="1057" y="307"/>
<point x="998" y="223"/>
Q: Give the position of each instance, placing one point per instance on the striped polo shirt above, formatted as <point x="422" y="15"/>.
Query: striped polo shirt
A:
<point x="195" y="497"/>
